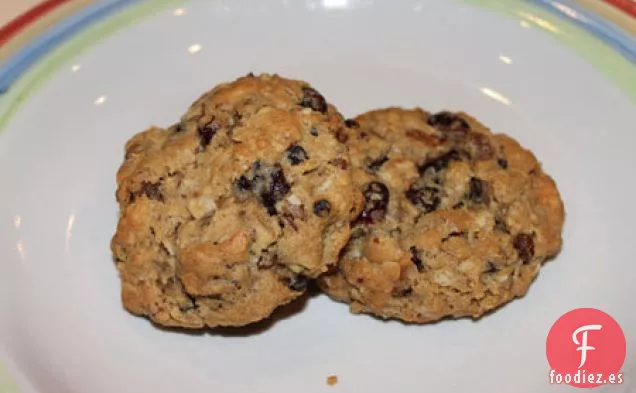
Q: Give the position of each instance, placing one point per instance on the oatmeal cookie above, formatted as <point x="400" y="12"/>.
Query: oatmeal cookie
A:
<point x="457" y="220"/>
<point x="227" y="214"/>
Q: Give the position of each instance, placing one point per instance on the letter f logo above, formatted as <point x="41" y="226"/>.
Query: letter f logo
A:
<point x="584" y="347"/>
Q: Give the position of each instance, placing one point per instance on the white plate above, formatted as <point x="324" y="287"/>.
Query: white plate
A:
<point x="62" y="328"/>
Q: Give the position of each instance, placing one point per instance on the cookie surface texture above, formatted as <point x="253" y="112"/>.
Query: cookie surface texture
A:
<point x="227" y="214"/>
<point x="457" y="220"/>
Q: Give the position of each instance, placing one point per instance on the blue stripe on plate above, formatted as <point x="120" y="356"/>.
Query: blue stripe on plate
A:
<point x="606" y="31"/>
<point x="13" y="67"/>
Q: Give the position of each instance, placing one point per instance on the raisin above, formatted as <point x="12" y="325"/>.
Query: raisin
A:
<point x="296" y="154"/>
<point x="490" y="267"/>
<point x="298" y="283"/>
<point x="279" y="187"/>
<point x="322" y="208"/>
<point x="313" y="131"/>
<point x="415" y="258"/>
<point x="267" y="183"/>
<point x="314" y="100"/>
<point x="152" y="191"/>
<point x="439" y="163"/>
<point x="477" y="190"/>
<point x="207" y="132"/>
<point x="524" y="244"/>
<point x="350" y="123"/>
<point x="374" y="165"/>
<point x="448" y="122"/>
<point x="376" y="201"/>
<point x="243" y="184"/>
<point x="342" y="136"/>
<point x="269" y="203"/>
<point x="426" y="198"/>
<point x="503" y="163"/>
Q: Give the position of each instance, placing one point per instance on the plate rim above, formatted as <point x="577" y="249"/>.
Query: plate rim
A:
<point x="43" y="68"/>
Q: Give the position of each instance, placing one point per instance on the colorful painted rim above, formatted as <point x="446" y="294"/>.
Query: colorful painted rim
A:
<point x="629" y="6"/>
<point x="12" y="68"/>
<point x="50" y="35"/>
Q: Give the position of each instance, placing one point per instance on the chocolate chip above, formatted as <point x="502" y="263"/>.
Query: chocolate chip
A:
<point x="298" y="283"/>
<point x="426" y="198"/>
<point x="415" y="258"/>
<point x="152" y="191"/>
<point x="296" y="154"/>
<point x="374" y="165"/>
<point x="503" y="163"/>
<point x="524" y="244"/>
<point x="313" y="131"/>
<point x="376" y="201"/>
<point x="207" y="132"/>
<point x="477" y="190"/>
<point x="449" y="123"/>
<point x="350" y="123"/>
<point x="314" y="100"/>
<point x="322" y="208"/>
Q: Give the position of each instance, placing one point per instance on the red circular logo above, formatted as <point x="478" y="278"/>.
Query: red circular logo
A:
<point x="586" y="348"/>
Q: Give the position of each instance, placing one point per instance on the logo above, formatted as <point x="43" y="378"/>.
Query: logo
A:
<point x="586" y="348"/>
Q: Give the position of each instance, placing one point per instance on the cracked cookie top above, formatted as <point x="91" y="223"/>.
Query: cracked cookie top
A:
<point x="456" y="220"/>
<point x="227" y="214"/>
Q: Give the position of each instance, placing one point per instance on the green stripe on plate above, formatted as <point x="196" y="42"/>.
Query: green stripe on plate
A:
<point x="616" y="68"/>
<point x="34" y="78"/>
<point x="7" y="384"/>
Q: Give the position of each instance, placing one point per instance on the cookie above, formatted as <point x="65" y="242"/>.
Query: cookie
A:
<point x="227" y="214"/>
<point x="457" y="221"/>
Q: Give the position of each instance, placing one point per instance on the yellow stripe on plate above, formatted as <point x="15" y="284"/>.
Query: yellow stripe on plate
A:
<point x="611" y="14"/>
